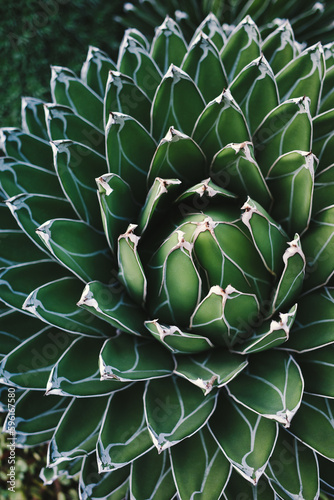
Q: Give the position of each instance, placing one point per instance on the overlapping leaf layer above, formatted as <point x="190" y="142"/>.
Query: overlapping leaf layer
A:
<point x="167" y="232"/>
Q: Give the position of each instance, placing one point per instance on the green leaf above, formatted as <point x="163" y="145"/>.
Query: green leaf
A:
<point x="63" y="123"/>
<point x="235" y="168"/>
<point x="126" y="358"/>
<point x="95" y="70"/>
<point x="64" y="238"/>
<point x="271" y="333"/>
<point x="303" y="76"/>
<point x="249" y="87"/>
<point x="200" y="468"/>
<point x="210" y="369"/>
<point x="315" y="313"/>
<point x="177" y="341"/>
<point x="175" y="410"/>
<point x="272" y="385"/>
<point x="68" y="90"/>
<point x="203" y="60"/>
<point x="291" y="181"/>
<point x="323" y="189"/>
<point x="326" y="474"/>
<point x="134" y="60"/>
<point x="77" y="166"/>
<point x="26" y="148"/>
<point x="16" y="248"/>
<point x="318" y="371"/>
<point x="242" y="47"/>
<point x="55" y="304"/>
<point x="202" y="194"/>
<point x="178" y="156"/>
<point x="158" y="484"/>
<point x="124" y="435"/>
<point x="110" y="303"/>
<point x="249" y="454"/>
<point x="124" y="138"/>
<point x="76" y="373"/>
<point x="107" y="486"/>
<point x="122" y="95"/>
<point x="177" y="103"/>
<point x="280" y="47"/>
<point x="16" y="282"/>
<point x="11" y="331"/>
<point x="117" y="206"/>
<point x="288" y="127"/>
<point x="327" y="94"/>
<point x="33" y="117"/>
<point x="238" y="486"/>
<point x="131" y="272"/>
<point x="314" y="425"/>
<point x="72" y="440"/>
<point x="211" y="27"/>
<point x="323" y="139"/>
<point x="221" y="122"/>
<point x="293" y="469"/>
<point x="168" y="45"/>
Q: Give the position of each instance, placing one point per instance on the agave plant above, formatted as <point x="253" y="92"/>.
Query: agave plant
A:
<point x="311" y="21"/>
<point x="168" y="258"/>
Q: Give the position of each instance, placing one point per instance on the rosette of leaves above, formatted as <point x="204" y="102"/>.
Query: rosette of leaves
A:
<point x="311" y="21"/>
<point x="167" y="251"/>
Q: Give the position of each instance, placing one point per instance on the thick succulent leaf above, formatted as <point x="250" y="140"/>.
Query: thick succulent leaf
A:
<point x="268" y="237"/>
<point x="32" y="210"/>
<point x="177" y="103"/>
<point x="168" y="45"/>
<point x="200" y="468"/>
<point x="25" y="147"/>
<point x="318" y="246"/>
<point x="30" y="363"/>
<point x="271" y="333"/>
<point x="249" y="87"/>
<point x="110" y="303"/>
<point x="235" y="168"/>
<point x="291" y="281"/>
<point x="63" y="123"/>
<point x="16" y="282"/>
<point x="272" y="385"/>
<point x="124" y="435"/>
<point x="16" y="248"/>
<point x="124" y="138"/>
<point x="210" y="369"/>
<point x="156" y="203"/>
<point x="33" y="117"/>
<point x="18" y="177"/>
<point x="76" y="373"/>
<point x="134" y="60"/>
<point x="288" y="127"/>
<point x="77" y="166"/>
<point x="314" y="425"/>
<point x="279" y="47"/>
<point x="124" y="96"/>
<point x="323" y="195"/>
<point x="175" y="410"/>
<point x="315" y="313"/>
<point x="238" y="486"/>
<point x="293" y="469"/>
<point x="117" y="207"/>
<point x="68" y="90"/>
<point x="68" y="468"/>
<point x="222" y="122"/>
<point x="11" y="332"/>
<point x="64" y="238"/>
<point x="158" y="484"/>
<point x="7" y="220"/>
<point x="71" y="440"/>
<point x="242" y="47"/>
<point x="126" y="358"/>
<point x="218" y="316"/>
<point x="291" y="181"/>
<point x="178" y="156"/>
<point x="95" y="70"/>
<point x="303" y="76"/>
<point x="203" y="60"/>
<point x="55" y="304"/>
<point x="107" y="486"/>
<point x="327" y="94"/>
<point x="212" y="28"/>
<point x="131" y="272"/>
<point x="326" y="475"/>
<point x="249" y="454"/>
<point x="200" y="195"/>
<point x="177" y="341"/>
<point x="323" y="140"/>
<point x="318" y="371"/>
